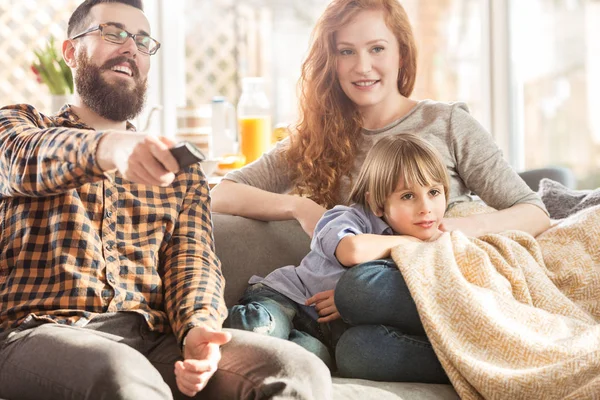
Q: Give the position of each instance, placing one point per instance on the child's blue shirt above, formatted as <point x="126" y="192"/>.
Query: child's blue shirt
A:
<point x="320" y="270"/>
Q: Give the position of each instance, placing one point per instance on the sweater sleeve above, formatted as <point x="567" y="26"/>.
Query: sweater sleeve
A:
<point x="482" y="167"/>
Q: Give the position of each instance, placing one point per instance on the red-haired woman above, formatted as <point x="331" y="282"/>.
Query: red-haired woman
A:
<point x="355" y="88"/>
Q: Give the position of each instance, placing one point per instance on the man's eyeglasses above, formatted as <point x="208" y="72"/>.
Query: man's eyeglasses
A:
<point x="114" y="34"/>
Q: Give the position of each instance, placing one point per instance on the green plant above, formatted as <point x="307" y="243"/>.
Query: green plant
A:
<point x="50" y="68"/>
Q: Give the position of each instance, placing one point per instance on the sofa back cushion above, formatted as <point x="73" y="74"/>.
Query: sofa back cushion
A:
<point x="249" y="247"/>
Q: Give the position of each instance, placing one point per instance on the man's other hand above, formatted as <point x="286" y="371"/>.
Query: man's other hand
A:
<point x="201" y="355"/>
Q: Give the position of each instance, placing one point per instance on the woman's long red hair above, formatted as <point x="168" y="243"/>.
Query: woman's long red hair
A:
<point x="327" y="137"/>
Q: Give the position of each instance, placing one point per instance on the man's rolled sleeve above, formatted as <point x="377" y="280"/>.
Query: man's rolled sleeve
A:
<point x="193" y="281"/>
<point x="37" y="160"/>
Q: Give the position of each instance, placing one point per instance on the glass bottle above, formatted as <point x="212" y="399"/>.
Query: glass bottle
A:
<point x="254" y="116"/>
<point x="224" y="128"/>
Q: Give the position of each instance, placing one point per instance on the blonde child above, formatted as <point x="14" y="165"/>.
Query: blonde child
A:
<point x="400" y="194"/>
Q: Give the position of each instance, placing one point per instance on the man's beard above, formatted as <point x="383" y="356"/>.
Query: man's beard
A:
<point x="113" y="101"/>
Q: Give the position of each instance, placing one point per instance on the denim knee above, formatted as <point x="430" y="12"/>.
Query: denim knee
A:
<point x="259" y="317"/>
<point x="382" y="353"/>
<point x="365" y="292"/>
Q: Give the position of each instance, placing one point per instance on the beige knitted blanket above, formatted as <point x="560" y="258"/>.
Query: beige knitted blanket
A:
<point x="509" y="316"/>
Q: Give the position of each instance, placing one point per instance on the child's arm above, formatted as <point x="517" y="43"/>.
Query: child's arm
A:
<point x="357" y="249"/>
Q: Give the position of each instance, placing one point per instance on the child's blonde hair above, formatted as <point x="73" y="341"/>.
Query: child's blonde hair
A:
<point x="404" y="156"/>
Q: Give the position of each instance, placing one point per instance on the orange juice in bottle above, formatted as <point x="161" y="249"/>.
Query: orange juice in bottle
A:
<point x="254" y="116"/>
<point x="255" y="136"/>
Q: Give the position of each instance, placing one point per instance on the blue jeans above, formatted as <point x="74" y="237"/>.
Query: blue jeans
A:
<point x="386" y="340"/>
<point x="266" y="311"/>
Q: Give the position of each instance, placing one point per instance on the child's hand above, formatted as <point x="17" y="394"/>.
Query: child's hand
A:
<point x="325" y="306"/>
<point x="435" y="236"/>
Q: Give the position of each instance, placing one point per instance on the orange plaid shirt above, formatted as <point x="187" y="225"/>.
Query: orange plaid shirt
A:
<point x="76" y="242"/>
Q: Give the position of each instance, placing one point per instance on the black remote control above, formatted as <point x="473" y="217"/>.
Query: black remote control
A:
<point x="187" y="154"/>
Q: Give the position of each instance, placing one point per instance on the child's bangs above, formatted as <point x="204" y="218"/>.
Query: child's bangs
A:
<point x="421" y="171"/>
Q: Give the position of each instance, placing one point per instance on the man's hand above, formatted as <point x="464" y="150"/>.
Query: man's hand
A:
<point x="139" y="158"/>
<point x="201" y="355"/>
<point x="325" y="306"/>
<point x="308" y="213"/>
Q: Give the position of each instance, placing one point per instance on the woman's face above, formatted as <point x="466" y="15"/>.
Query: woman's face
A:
<point x="368" y="60"/>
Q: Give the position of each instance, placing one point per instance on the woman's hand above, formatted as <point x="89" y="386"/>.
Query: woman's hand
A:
<point x="522" y="217"/>
<point x="308" y="213"/>
<point x="325" y="306"/>
<point x="463" y="224"/>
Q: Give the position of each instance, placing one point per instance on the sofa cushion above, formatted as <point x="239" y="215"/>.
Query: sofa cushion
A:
<point x="561" y="201"/>
<point x="249" y="247"/>
<point x="360" y="389"/>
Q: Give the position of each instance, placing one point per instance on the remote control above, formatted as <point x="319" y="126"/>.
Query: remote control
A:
<point x="187" y="154"/>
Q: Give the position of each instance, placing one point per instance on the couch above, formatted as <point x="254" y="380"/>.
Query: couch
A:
<point x="248" y="247"/>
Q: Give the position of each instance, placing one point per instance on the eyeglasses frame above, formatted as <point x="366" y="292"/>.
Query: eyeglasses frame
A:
<point x="101" y="27"/>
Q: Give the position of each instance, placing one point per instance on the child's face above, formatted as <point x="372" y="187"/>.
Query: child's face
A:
<point x="416" y="211"/>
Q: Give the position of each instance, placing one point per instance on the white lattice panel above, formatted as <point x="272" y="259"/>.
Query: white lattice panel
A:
<point x="24" y="26"/>
<point x="211" y="51"/>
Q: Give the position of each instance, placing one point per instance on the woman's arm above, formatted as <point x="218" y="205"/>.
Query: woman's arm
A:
<point x="484" y="171"/>
<point x="229" y="197"/>
<point x="257" y="191"/>
<point x="357" y="249"/>
<point x="522" y="217"/>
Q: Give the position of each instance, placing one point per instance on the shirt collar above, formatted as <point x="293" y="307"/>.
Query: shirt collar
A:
<point x="380" y="227"/>
<point x="67" y="117"/>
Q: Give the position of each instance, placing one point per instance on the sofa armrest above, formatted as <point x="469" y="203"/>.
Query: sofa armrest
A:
<point x="561" y="175"/>
<point x="249" y="247"/>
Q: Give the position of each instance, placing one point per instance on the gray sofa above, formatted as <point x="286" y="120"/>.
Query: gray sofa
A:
<point x="248" y="247"/>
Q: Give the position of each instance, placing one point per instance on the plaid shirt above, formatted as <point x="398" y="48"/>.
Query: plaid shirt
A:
<point x="75" y="242"/>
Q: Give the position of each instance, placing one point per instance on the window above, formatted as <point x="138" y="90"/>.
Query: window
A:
<point x="227" y="40"/>
<point x="555" y="58"/>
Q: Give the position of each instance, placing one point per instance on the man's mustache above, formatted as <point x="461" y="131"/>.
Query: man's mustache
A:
<point x="122" y="59"/>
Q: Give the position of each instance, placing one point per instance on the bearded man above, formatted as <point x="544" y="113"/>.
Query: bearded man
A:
<point x="109" y="283"/>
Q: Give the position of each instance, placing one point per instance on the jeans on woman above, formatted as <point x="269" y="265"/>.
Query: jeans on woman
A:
<point x="386" y="340"/>
<point x="266" y="311"/>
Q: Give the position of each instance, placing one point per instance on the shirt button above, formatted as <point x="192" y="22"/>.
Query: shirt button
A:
<point x="109" y="247"/>
<point x="109" y="214"/>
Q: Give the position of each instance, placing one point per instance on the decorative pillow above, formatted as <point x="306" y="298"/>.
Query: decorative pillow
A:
<point x="561" y="201"/>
